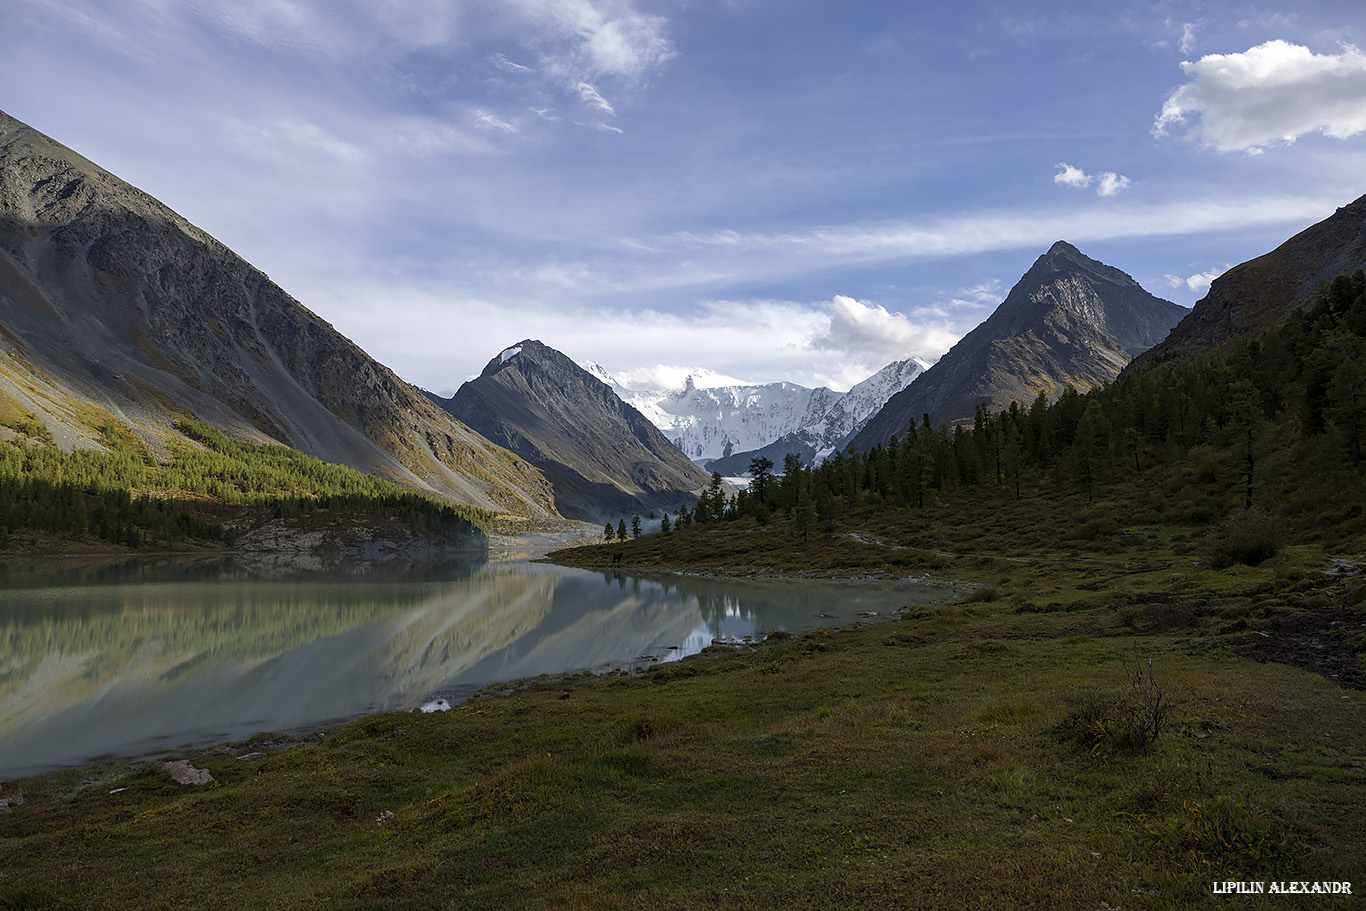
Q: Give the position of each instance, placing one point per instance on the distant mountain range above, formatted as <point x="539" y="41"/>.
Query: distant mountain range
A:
<point x="113" y="308"/>
<point x="604" y="458"/>
<point x="1069" y="319"/>
<point x="723" y="425"/>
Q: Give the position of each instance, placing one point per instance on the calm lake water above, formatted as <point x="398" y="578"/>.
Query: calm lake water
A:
<point x="145" y="657"/>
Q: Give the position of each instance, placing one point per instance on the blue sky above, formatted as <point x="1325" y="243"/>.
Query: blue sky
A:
<point x="772" y="189"/>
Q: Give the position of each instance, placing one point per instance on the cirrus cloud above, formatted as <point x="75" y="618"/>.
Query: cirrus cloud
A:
<point x="1274" y="92"/>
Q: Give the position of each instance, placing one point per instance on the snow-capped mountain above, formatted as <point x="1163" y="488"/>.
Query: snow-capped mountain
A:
<point x="711" y="417"/>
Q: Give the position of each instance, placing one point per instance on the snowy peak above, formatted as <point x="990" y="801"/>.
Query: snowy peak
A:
<point x="711" y="420"/>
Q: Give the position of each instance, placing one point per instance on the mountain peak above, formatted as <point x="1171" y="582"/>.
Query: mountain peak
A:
<point x="1069" y="319"/>
<point x="603" y="457"/>
<point x="114" y="305"/>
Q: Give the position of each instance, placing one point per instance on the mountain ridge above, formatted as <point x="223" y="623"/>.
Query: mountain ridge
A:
<point x="115" y="308"/>
<point x="603" y="456"/>
<point x="1252" y="296"/>
<point x="1069" y="319"/>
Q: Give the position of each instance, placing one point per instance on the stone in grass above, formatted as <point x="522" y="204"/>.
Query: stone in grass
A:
<point x="10" y="796"/>
<point x="182" y="772"/>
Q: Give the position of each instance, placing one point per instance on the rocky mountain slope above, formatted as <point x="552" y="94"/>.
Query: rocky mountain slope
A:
<point x="1249" y="298"/>
<point x="721" y="424"/>
<point x="816" y="440"/>
<point x="113" y="308"/>
<point x="603" y="456"/>
<point x="1069" y="319"/>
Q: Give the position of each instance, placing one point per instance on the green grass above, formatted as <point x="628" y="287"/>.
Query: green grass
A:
<point x="979" y="754"/>
<point x="923" y="762"/>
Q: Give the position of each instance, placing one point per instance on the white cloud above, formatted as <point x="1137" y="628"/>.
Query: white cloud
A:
<point x="1274" y="92"/>
<point x="1187" y="37"/>
<point x="837" y="342"/>
<point x="608" y="36"/>
<point x="983" y="294"/>
<point x="590" y="97"/>
<point x="982" y="232"/>
<point x="870" y="332"/>
<point x="1199" y="282"/>
<point x="503" y="63"/>
<point x="1107" y="184"/>
<point x="1069" y="176"/>
<point x="1110" y="183"/>
<point x="489" y="121"/>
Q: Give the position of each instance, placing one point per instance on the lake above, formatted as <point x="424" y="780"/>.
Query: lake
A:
<point x="143" y="657"/>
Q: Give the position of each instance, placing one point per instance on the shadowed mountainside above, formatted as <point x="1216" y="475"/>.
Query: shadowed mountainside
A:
<point x="114" y="309"/>
<point x="1069" y="319"/>
<point x="603" y="456"/>
<point x="1250" y="298"/>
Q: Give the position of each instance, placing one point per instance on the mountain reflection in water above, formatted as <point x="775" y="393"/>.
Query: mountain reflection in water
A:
<point x="142" y="657"/>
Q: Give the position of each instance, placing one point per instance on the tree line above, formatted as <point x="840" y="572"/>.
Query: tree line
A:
<point x="1298" y="392"/>
<point x="122" y="495"/>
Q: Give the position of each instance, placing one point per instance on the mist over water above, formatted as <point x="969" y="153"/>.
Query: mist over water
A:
<point x="144" y="657"/>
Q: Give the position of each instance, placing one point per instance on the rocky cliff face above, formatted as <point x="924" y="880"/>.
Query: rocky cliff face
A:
<point x="113" y="307"/>
<point x="1250" y="298"/>
<point x="603" y="457"/>
<point x="1069" y="319"/>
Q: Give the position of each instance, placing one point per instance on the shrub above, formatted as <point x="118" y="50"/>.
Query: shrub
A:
<point x="980" y="595"/>
<point x="1099" y="527"/>
<point x="1131" y="720"/>
<point x="1249" y="537"/>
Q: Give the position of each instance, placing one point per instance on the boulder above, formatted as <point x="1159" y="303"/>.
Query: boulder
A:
<point x="182" y="772"/>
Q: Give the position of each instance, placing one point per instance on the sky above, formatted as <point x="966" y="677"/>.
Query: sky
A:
<point x="791" y="190"/>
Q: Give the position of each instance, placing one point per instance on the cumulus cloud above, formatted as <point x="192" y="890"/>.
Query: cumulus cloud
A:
<point x="1199" y="282"/>
<point x="1108" y="183"/>
<point x="1069" y="176"/>
<point x="870" y="331"/>
<point x="1274" y="92"/>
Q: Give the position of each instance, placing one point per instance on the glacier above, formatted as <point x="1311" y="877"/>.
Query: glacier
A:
<point x="710" y="416"/>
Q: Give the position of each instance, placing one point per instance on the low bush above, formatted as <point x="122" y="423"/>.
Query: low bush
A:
<point x="1131" y="720"/>
<point x="1250" y="537"/>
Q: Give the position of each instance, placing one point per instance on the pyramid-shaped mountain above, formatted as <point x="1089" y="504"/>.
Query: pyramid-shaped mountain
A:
<point x="1250" y="298"/>
<point x="603" y="456"/>
<point x="113" y="308"/>
<point x="1069" y="319"/>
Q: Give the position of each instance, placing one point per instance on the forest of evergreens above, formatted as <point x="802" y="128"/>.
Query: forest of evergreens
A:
<point x="124" y="496"/>
<point x="1270" y="428"/>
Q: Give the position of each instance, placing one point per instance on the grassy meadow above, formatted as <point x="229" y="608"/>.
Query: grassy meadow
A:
<point x="1105" y="721"/>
